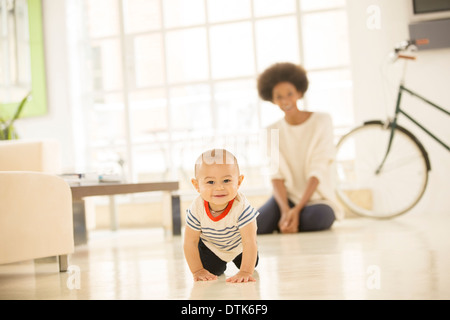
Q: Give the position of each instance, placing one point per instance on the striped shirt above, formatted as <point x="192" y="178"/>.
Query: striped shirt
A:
<point x="221" y="234"/>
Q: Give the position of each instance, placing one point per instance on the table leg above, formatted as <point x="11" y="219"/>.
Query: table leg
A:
<point x="113" y="218"/>
<point x="79" y="222"/>
<point x="176" y="215"/>
<point x="171" y="214"/>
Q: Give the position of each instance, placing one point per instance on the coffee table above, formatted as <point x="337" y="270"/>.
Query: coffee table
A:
<point x="170" y="199"/>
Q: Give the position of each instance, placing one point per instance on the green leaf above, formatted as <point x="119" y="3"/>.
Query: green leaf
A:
<point x="20" y="108"/>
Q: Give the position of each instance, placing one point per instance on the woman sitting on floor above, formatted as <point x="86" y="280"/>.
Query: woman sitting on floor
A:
<point x="303" y="193"/>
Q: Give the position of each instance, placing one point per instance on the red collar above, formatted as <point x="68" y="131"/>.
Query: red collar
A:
<point x="220" y="216"/>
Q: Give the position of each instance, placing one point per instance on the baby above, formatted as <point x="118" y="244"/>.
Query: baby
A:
<point x="220" y="224"/>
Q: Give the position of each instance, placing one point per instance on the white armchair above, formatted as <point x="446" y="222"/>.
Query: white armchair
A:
<point x="30" y="155"/>
<point x="35" y="217"/>
<point x="35" y="204"/>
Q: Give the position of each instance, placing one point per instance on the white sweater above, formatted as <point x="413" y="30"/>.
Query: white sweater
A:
<point x="307" y="150"/>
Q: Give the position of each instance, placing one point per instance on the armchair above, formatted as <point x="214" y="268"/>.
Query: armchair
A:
<point x="35" y="217"/>
<point x="30" y="155"/>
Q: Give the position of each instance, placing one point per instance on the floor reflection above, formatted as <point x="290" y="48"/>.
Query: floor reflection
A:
<point x="405" y="258"/>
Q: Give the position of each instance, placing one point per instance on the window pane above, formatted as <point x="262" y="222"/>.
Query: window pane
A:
<point x="185" y="152"/>
<point x="236" y="106"/>
<point x="179" y="13"/>
<point x="103" y="18"/>
<point x="106" y="118"/>
<point x="149" y="116"/>
<point x="148" y="60"/>
<point x="270" y="113"/>
<point x="106" y="65"/>
<point x="232" y="50"/>
<point x="151" y="162"/>
<point x="141" y="15"/>
<point x="309" y="5"/>
<point x="325" y="39"/>
<point x="15" y="62"/>
<point x="107" y="161"/>
<point x="331" y="91"/>
<point x="190" y="109"/>
<point x="225" y="10"/>
<point x="187" y="55"/>
<point x="276" y="41"/>
<point x="270" y="7"/>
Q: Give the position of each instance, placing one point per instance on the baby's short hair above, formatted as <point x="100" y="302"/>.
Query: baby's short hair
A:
<point x="281" y="72"/>
<point x="217" y="156"/>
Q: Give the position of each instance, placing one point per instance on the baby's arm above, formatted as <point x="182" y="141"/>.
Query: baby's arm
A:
<point x="249" y="254"/>
<point x="191" y="239"/>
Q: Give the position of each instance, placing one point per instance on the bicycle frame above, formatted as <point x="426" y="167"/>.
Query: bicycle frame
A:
<point x="399" y="110"/>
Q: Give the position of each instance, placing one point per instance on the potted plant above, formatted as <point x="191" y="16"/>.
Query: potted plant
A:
<point x="7" y="130"/>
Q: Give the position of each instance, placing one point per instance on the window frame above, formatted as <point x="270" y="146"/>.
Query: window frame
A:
<point x="127" y="89"/>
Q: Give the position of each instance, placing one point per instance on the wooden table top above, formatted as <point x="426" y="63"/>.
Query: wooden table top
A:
<point x="107" y="189"/>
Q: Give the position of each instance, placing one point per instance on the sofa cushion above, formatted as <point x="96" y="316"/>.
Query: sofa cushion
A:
<point x="30" y="155"/>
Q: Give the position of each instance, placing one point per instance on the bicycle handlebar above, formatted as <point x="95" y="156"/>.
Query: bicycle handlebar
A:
<point x="403" y="46"/>
<point x="406" y="45"/>
<point x="402" y="56"/>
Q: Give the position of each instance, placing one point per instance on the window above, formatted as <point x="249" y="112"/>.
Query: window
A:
<point x="170" y="79"/>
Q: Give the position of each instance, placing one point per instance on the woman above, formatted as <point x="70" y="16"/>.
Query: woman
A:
<point x="303" y="194"/>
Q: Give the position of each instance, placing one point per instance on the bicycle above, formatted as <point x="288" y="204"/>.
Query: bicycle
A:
<point x="382" y="168"/>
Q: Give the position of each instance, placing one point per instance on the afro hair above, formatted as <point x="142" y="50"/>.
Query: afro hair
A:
<point x="281" y="72"/>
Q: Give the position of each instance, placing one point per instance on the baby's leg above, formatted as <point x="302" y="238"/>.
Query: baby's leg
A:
<point x="238" y="260"/>
<point x="210" y="261"/>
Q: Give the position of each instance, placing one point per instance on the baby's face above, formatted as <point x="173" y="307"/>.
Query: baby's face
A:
<point x="217" y="183"/>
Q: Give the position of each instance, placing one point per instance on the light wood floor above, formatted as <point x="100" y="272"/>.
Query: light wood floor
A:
<point x="404" y="258"/>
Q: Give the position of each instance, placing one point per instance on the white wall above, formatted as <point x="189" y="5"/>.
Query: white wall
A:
<point x="429" y="75"/>
<point x="56" y="124"/>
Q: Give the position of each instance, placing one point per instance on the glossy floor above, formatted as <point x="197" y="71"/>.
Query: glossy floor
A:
<point x="404" y="258"/>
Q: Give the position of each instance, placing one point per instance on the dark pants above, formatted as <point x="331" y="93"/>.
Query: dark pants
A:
<point x="213" y="263"/>
<point x="312" y="218"/>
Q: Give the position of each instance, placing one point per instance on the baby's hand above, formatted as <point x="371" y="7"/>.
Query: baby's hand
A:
<point x="241" y="276"/>
<point x="204" y="275"/>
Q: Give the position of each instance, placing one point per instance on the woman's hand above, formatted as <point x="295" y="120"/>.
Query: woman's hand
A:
<point x="283" y="220"/>
<point x="289" y="222"/>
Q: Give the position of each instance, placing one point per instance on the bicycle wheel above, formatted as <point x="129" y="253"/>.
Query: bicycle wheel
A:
<point x="397" y="187"/>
